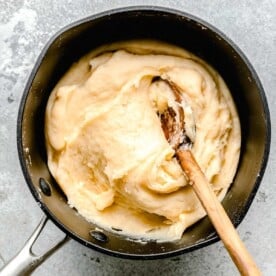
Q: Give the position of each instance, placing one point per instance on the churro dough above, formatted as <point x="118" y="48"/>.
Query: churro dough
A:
<point x="106" y="147"/>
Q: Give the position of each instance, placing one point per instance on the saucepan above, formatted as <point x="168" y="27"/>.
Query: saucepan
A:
<point x="163" y="24"/>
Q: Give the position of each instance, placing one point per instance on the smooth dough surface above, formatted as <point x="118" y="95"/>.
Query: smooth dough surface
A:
<point x="106" y="147"/>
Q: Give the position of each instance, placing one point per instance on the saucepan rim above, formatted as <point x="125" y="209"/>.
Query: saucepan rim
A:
<point x="107" y="13"/>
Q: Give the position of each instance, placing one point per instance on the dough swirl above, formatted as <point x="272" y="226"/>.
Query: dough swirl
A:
<point x="105" y="144"/>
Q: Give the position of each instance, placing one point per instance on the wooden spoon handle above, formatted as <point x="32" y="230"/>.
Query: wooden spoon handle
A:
<point x="217" y="214"/>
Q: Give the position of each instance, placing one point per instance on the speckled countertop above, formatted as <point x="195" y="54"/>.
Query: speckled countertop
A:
<point x="25" y="27"/>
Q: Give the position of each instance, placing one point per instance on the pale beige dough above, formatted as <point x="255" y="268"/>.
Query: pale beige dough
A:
<point x="106" y="148"/>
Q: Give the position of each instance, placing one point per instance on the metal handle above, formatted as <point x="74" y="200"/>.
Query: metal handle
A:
<point x="25" y="261"/>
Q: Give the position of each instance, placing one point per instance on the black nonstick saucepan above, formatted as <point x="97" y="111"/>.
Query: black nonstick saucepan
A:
<point x="157" y="23"/>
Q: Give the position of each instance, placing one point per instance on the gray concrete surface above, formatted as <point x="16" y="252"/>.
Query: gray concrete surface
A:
<point x="25" y="27"/>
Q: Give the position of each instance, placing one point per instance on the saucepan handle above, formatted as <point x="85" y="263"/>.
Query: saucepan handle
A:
<point x="25" y="260"/>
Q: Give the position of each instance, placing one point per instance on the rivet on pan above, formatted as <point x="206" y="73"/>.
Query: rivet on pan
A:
<point x="45" y="187"/>
<point x="98" y="235"/>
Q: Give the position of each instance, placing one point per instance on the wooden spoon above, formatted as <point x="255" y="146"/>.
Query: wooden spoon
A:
<point x="172" y="120"/>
